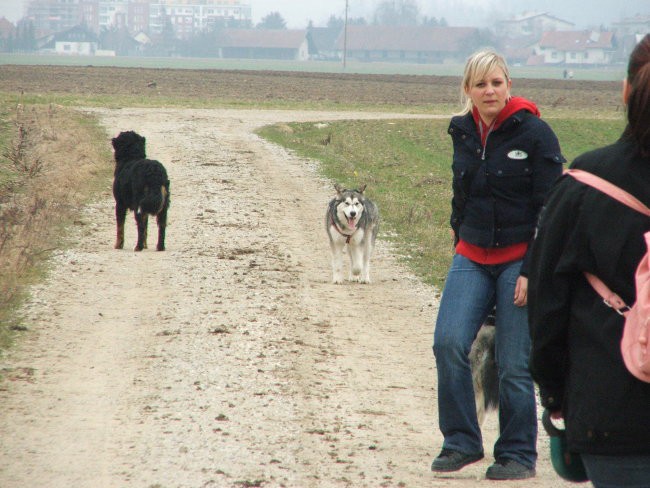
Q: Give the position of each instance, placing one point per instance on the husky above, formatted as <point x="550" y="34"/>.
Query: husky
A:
<point x="353" y="220"/>
<point x="485" y="378"/>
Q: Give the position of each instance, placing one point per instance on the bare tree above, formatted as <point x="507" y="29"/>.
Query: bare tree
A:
<point x="397" y="12"/>
<point x="272" y="21"/>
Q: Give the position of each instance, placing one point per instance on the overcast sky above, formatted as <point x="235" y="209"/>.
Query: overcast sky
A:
<point x="298" y="13"/>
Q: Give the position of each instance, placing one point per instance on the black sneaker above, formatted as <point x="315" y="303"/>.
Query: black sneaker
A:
<point x="509" y="469"/>
<point x="450" y="460"/>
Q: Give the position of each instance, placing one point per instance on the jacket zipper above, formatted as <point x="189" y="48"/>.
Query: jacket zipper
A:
<point x="489" y="131"/>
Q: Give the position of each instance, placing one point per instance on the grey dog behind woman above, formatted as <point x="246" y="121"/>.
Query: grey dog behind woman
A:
<point x="576" y="357"/>
<point x="505" y="158"/>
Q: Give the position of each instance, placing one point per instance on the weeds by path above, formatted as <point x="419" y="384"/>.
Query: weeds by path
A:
<point x="52" y="160"/>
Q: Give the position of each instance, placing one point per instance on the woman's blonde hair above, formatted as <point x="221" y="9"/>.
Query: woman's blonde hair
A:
<point x="477" y="67"/>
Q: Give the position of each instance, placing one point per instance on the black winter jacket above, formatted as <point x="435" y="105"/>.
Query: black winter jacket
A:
<point x="499" y="190"/>
<point x="576" y="358"/>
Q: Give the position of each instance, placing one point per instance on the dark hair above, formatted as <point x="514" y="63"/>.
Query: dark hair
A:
<point x="638" y="103"/>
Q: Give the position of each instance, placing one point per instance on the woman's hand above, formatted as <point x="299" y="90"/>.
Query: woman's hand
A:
<point x="521" y="291"/>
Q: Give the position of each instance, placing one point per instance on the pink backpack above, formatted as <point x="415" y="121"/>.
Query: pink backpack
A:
<point x="636" y="331"/>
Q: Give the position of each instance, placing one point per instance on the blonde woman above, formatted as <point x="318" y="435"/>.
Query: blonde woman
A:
<point x="505" y="159"/>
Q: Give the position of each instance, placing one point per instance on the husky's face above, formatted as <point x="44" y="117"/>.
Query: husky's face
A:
<point x="350" y="208"/>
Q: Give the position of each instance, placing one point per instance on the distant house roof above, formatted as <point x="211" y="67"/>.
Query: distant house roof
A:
<point x="639" y="24"/>
<point x="324" y="38"/>
<point x="413" y="38"/>
<point x="262" y="38"/>
<point x="527" y="16"/>
<point x="518" y="49"/>
<point x="7" y="29"/>
<point x="78" y="33"/>
<point x="637" y="19"/>
<point x="577" y="40"/>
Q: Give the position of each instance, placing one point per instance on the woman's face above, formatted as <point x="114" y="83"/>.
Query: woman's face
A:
<point x="490" y="94"/>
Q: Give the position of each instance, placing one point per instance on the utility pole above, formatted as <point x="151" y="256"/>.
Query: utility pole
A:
<point x="345" y="35"/>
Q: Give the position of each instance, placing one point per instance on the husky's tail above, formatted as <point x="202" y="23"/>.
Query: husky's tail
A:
<point x="484" y="372"/>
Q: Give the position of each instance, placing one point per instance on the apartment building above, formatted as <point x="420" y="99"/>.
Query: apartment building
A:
<point x="187" y="17"/>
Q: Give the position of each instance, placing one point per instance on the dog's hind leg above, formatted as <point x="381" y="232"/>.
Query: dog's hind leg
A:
<point x="145" y="220"/>
<point x="141" y="224"/>
<point x="120" y="217"/>
<point x="161" y="220"/>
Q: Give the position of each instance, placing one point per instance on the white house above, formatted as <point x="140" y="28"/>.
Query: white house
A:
<point x="76" y="41"/>
<point x="576" y="48"/>
<point x="531" y="24"/>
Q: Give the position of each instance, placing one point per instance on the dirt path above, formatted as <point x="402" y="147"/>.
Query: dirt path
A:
<point x="230" y="359"/>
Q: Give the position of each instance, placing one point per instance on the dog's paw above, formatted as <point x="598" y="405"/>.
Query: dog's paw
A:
<point x="337" y="280"/>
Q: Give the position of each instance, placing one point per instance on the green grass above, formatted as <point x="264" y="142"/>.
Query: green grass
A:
<point x="609" y="73"/>
<point x="407" y="166"/>
<point x="155" y="101"/>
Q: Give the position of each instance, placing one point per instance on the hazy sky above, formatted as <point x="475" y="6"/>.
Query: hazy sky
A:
<point x="297" y="13"/>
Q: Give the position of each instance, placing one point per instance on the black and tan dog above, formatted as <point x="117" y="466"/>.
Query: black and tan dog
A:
<point x="140" y="185"/>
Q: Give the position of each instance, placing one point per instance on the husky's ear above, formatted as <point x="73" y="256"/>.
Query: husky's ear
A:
<point x="338" y="188"/>
<point x="362" y="188"/>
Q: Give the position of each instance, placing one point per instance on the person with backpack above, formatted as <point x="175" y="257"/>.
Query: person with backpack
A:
<point x="576" y="356"/>
<point x="505" y="159"/>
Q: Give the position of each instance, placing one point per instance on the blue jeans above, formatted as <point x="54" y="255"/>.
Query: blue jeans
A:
<point x="470" y="293"/>
<point x="617" y="471"/>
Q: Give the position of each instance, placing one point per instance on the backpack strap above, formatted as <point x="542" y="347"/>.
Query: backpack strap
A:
<point x="609" y="189"/>
<point x="610" y="298"/>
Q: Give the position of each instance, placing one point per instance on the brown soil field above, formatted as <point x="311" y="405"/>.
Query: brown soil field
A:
<point x="230" y="359"/>
<point x="290" y="87"/>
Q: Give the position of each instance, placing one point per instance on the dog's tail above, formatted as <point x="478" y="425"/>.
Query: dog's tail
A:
<point x="155" y="189"/>
<point x="155" y="199"/>
<point x="484" y="372"/>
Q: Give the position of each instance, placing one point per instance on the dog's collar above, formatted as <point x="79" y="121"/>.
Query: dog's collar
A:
<point x="347" y="236"/>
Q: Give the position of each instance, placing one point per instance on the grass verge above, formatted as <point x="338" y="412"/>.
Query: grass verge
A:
<point x="407" y="166"/>
<point x="52" y="160"/>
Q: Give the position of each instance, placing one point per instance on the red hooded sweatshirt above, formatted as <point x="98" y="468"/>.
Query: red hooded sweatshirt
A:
<point x="497" y="255"/>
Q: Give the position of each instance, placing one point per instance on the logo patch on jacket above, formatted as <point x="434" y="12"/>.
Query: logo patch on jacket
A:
<point x="517" y="154"/>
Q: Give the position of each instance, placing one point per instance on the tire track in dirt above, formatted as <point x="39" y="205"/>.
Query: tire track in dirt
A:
<point x="229" y="359"/>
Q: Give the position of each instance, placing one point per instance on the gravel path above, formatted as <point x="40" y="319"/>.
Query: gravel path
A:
<point x="230" y="359"/>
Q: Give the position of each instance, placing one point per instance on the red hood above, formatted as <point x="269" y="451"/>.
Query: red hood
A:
<point x="515" y="104"/>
